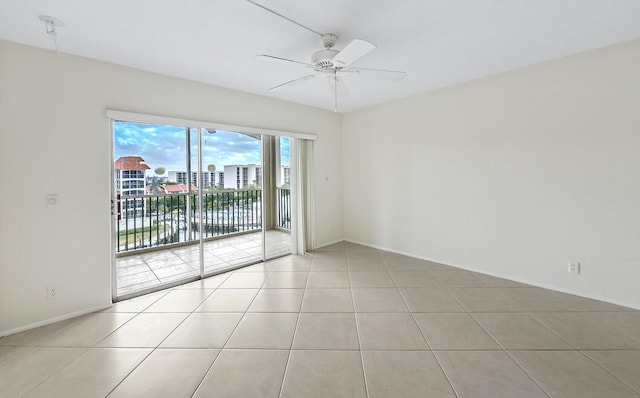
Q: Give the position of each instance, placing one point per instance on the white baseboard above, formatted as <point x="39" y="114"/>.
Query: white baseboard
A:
<point x="328" y="244"/>
<point x="498" y="275"/>
<point x="53" y="320"/>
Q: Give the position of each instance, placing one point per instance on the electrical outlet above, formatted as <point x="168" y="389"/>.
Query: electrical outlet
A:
<point x="574" y="267"/>
<point x="52" y="292"/>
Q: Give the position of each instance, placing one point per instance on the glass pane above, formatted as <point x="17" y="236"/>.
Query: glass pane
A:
<point x="154" y="239"/>
<point x="232" y="200"/>
<point x="278" y="232"/>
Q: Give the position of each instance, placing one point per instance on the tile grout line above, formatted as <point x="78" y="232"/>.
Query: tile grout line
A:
<point x="154" y="349"/>
<point x="425" y="337"/>
<point x="597" y="319"/>
<point x="293" y="338"/>
<point x="353" y="303"/>
<point x="544" y="325"/>
<point x="502" y="349"/>
<point x="59" y="370"/>
<point x="608" y="372"/>
<point x="574" y="348"/>
<point x="539" y="384"/>
<point x="466" y="311"/>
<point x="131" y="371"/>
<point x="86" y="350"/>
<point x="230" y="334"/>
<point x="152" y="271"/>
<point x="158" y="281"/>
<point x="224" y="346"/>
<point x="226" y="341"/>
<point x="591" y="315"/>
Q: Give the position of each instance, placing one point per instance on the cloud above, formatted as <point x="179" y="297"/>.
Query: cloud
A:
<point x="166" y="146"/>
<point x="285" y="145"/>
<point x="157" y="145"/>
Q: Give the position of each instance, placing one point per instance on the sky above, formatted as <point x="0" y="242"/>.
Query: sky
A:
<point x="165" y="146"/>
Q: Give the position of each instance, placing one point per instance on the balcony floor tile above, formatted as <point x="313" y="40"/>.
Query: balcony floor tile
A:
<point x="139" y="272"/>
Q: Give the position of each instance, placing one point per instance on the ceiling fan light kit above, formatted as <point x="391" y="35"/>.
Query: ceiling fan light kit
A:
<point x="330" y="62"/>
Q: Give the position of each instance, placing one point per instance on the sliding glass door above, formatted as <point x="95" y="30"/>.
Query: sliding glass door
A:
<point x="153" y="205"/>
<point x="231" y="192"/>
<point x="277" y="192"/>
<point x="191" y="202"/>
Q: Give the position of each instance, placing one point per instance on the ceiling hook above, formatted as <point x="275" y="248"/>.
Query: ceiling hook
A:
<point x="51" y="24"/>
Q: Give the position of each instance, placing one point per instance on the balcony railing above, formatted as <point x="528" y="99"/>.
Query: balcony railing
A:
<point x="155" y="220"/>
<point x="283" y="200"/>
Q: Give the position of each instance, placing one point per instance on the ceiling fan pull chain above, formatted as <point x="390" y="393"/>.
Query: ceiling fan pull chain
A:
<point x="335" y="91"/>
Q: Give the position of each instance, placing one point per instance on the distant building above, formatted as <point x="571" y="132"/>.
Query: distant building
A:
<point x="159" y="180"/>
<point x="284" y="177"/>
<point x="130" y="180"/>
<point x="234" y="176"/>
<point x="208" y="178"/>
<point x="238" y="176"/>
<point x="286" y="174"/>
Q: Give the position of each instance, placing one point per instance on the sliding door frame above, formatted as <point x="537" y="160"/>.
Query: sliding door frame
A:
<point x="115" y="115"/>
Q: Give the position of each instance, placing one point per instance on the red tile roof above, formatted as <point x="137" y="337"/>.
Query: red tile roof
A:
<point x="171" y="188"/>
<point x="130" y="163"/>
<point x="177" y="188"/>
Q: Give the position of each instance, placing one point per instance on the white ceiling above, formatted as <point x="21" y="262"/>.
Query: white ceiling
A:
<point x="437" y="42"/>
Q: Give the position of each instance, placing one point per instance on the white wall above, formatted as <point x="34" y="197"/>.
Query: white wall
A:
<point x="54" y="133"/>
<point x="512" y="175"/>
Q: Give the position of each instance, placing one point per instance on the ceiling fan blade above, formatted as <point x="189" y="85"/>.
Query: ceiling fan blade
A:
<point x="378" y="73"/>
<point x="293" y="82"/>
<point x="284" y="59"/>
<point x="352" y="52"/>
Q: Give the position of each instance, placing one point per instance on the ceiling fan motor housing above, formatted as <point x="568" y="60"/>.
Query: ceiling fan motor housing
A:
<point x="323" y="59"/>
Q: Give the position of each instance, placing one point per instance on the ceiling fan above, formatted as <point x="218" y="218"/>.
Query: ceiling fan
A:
<point x="332" y="63"/>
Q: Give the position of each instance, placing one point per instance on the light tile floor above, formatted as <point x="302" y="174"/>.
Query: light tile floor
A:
<point x="345" y="321"/>
<point x="138" y="272"/>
